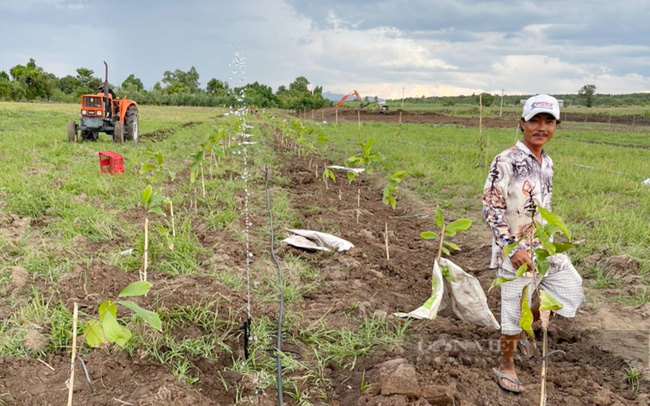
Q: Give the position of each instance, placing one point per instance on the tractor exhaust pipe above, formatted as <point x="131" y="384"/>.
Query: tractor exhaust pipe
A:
<point x="107" y="101"/>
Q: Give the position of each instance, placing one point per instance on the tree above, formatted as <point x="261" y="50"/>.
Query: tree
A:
<point x="216" y="87"/>
<point x="35" y="82"/>
<point x="179" y="81"/>
<point x="486" y="98"/>
<point x="67" y="84"/>
<point x="87" y="82"/>
<point x="132" y="83"/>
<point x="586" y="93"/>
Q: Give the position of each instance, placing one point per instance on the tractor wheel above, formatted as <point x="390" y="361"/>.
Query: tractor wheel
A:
<point x="118" y="132"/>
<point x="132" y="124"/>
<point x="90" y="135"/>
<point x="72" y="131"/>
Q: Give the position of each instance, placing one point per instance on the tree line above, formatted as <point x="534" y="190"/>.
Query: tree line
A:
<point x="178" y="88"/>
<point x="586" y="96"/>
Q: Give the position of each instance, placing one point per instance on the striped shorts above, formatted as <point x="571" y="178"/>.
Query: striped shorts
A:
<point x="562" y="281"/>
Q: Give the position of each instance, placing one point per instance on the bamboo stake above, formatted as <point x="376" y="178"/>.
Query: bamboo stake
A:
<point x="358" y="202"/>
<point x="544" y="317"/>
<point x="386" y="241"/>
<point x="75" y="317"/>
<point x="336" y="120"/>
<point x="359" y="121"/>
<point x="202" y="180"/>
<point x="340" y="185"/>
<point x="171" y="210"/>
<point x="480" y="120"/>
<point x="143" y="275"/>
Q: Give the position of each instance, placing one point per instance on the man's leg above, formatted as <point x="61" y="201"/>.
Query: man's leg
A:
<point x="507" y="364"/>
<point x="510" y="329"/>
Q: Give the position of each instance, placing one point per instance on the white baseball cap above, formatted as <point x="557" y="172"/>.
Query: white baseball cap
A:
<point x="542" y="103"/>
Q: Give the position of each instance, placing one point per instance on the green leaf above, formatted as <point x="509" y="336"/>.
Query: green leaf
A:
<point x="459" y="225"/>
<point x="107" y="307"/>
<point x="562" y="247"/>
<point x="156" y="210"/>
<point x="151" y="318"/>
<point x="498" y="281"/>
<point x="156" y="200"/>
<point x="522" y="270"/>
<point x="541" y="254"/>
<point x="159" y="157"/>
<point x="139" y="288"/>
<point x="391" y="200"/>
<point x="446" y="272"/>
<point x="445" y="250"/>
<point x="549" y="302"/>
<point x="452" y="245"/>
<point x="526" y="321"/>
<point x="94" y="333"/>
<point x="542" y="267"/>
<point x="114" y="332"/>
<point x="201" y="201"/>
<point x="351" y="176"/>
<point x="146" y="194"/>
<point x="192" y="176"/>
<point x="440" y="219"/>
<point x="397" y="176"/>
<point x="510" y="247"/>
<point x="555" y="220"/>
<point x="147" y="167"/>
<point x="429" y="235"/>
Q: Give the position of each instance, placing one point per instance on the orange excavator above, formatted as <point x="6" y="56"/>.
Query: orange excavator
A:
<point x="352" y="93"/>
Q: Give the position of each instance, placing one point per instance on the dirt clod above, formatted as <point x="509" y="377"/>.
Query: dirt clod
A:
<point x="19" y="277"/>
<point x="403" y="381"/>
<point x="35" y="341"/>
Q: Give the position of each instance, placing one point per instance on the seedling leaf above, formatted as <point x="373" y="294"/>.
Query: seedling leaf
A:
<point x="146" y="195"/>
<point x="555" y="220"/>
<point x="151" y="318"/>
<point x="526" y="321"/>
<point x="107" y="307"/>
<point x="94" y="333"/>
<point x="156" y="210"/>
<point x="445" y="250"/>
<point x="507" y="250"/>
<point x="429" y="235"/>
<point x="458" y="225"/>
<point x="114" y="332"/>
<point x="139" y="288"/>
<point x="147" y="167"/>
<point x="440" y="220"/>
<point x="548" y="302"/>
<point x="451" y="245"/>
<point x="498" y="281"/>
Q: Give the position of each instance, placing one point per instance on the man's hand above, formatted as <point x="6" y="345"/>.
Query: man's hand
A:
<point x="521" y="257"/>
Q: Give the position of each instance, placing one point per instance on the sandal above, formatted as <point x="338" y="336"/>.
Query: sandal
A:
<point x="500" y="375"/>
<point x="523" y="349"/>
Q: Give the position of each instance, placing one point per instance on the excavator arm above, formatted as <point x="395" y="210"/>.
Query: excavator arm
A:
<point x="352" y="93"/>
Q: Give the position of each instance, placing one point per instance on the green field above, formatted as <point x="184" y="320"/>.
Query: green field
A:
<point x="606" y="204"/>
<point x="72" y="229"/>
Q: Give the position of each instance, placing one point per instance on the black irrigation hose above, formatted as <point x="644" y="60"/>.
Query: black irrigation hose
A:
<point x="278" y="354"/>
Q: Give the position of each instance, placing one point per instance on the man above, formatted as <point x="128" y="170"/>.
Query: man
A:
<point x="520" y="179"/>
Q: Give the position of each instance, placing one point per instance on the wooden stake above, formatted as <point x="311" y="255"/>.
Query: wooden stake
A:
<point x="75" y="317"/>
<point x="544" y="317"/>
<point x="171" y="210"/>
<point x="359" y="120"/>
<point x="143" y="275"/>
<point x="202" y="180"/>
<point x="386" y="241"/>
<point x="336" y="115"/>
<point x="340" y="185"/>
<point x="399" y="125"/>
<point x="358" y="201"/>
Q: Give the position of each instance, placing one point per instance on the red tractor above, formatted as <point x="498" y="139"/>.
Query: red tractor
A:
<point x="103" y="112"/>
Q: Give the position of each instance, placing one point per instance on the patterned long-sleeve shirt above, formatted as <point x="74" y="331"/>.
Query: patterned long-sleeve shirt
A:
<point x="516" y="184"/>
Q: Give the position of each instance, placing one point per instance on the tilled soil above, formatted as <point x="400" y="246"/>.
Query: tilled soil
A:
<point x="441" y="362"/>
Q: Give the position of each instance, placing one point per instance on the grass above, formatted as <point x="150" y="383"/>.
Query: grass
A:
<point x="606" y="204"/>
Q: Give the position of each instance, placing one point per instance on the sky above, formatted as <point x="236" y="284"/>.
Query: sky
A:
<point x="382" y="48"/>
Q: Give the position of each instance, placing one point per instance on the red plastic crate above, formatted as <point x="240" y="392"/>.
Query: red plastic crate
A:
<point x="110" y="162"/>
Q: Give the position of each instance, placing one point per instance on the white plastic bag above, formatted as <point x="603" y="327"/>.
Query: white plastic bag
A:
<point x="460" y="290"/>
<point x="315" y="240"/>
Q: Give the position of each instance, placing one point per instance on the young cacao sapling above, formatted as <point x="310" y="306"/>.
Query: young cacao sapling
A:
<point x="389" y="197"/>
